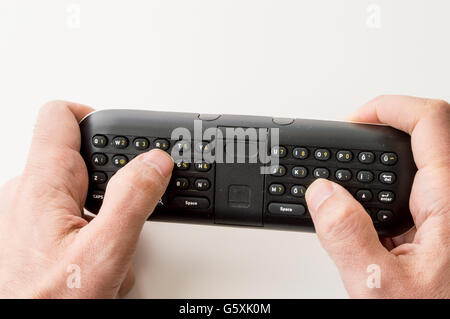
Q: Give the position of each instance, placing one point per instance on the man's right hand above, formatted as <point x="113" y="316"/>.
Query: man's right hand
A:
<point x="416" y="264"/>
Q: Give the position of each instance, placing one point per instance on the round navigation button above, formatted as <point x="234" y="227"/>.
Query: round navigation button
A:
<point x="208" y="117"/>
<point x="282" y="120"/>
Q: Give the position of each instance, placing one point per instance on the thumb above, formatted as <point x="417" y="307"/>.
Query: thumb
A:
<point x="131" y="196"/>
<point x="344" y="228"/>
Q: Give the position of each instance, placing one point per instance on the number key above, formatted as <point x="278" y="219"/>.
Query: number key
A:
<point x="322" y="154"/>
<point x="344" y="156"/>
<point x="300" y="153"/>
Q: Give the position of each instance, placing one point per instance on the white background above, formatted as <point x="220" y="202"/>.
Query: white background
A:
<point x="310" y="59"/>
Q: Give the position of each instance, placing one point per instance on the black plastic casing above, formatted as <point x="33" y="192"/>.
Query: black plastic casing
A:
<point x="228" y="177"/>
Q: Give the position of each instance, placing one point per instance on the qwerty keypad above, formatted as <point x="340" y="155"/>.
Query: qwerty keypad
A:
<point x="192" y="185"/>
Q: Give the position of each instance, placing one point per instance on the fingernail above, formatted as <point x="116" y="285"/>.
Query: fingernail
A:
<point x="160" y="160"/>
<point x="317" y="193"/>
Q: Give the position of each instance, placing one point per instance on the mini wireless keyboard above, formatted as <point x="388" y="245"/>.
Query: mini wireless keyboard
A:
<point x="266" y="164"/>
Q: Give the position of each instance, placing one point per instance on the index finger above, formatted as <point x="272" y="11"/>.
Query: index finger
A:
<point x="399" y="111"/>
<point x="57" y="125"/>
<point x="54" y="156"/>
<point x="426" y="120"/>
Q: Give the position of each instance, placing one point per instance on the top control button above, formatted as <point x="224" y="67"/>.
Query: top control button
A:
<point x="322" y="154"/>
<point x="208" y="117"/>
<point x="282" y="120"/>
<point x="388" y="158"/>
<point x="120" y="142"/>
<point x="99" y="141"/>
<point x="366" y="157"/>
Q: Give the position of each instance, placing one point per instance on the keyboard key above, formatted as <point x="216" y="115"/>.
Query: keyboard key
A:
<point x="202" y="166"/>
<point x="321" y="173"/>
<point x="298" y="190"/>
<point x="365" y="176"/>
<point x="276" y="189"/>
<point x="388" y="158"/>
<point x="277" y="170"/>
<point x="201" y="184"/>
<point x="162" y="144"/>
<point x="366" y="157"/>
<point x="344" y="156"/>
<point x="387" y="178"/>
<point x="279" y="151"/>
<point x="343" y="175"/>
<point x="120" y="142"/>
<point x="190" y="202"/>
<point x="99" y="177"/>
<point x="286" y="209"/>
<point x="99" y="141"/>
<point x="99" y="159"/>
<point x="364" y="195"/>
<point x="386" y="197"/>
<point x="120" y="160"/>
<point x="182" y="146"/>
<point x="203" y="147"/>
<point x="299" y="172"/>
<point x="181" y="183"/>
<point x="384" y="215"/>
<point x="300" y="153"/>
<point x="141" y="144"/>
<point x="98" y="195"/>
<point x="182" y="166"/>
<point x="322" y="154"/>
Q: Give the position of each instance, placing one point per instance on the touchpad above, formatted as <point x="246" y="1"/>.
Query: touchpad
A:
<point x="239" y="196"/>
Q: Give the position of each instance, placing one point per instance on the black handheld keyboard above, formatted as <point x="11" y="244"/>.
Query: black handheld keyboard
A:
<point x="251" y="170"/>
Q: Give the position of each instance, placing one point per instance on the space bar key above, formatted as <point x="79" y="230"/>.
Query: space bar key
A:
<point x="286" y="209"/>
<point x="190" y="202"/>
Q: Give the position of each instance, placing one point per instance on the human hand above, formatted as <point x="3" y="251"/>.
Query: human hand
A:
<point x="45" y="238"/>
<point x="415" y="264"/>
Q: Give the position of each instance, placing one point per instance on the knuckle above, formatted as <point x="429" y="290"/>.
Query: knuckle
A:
<point x="340" y="223"/>
<point x="380" y="98"/>
<point x="439" y="106"/>
<point x="140" y="178"/>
